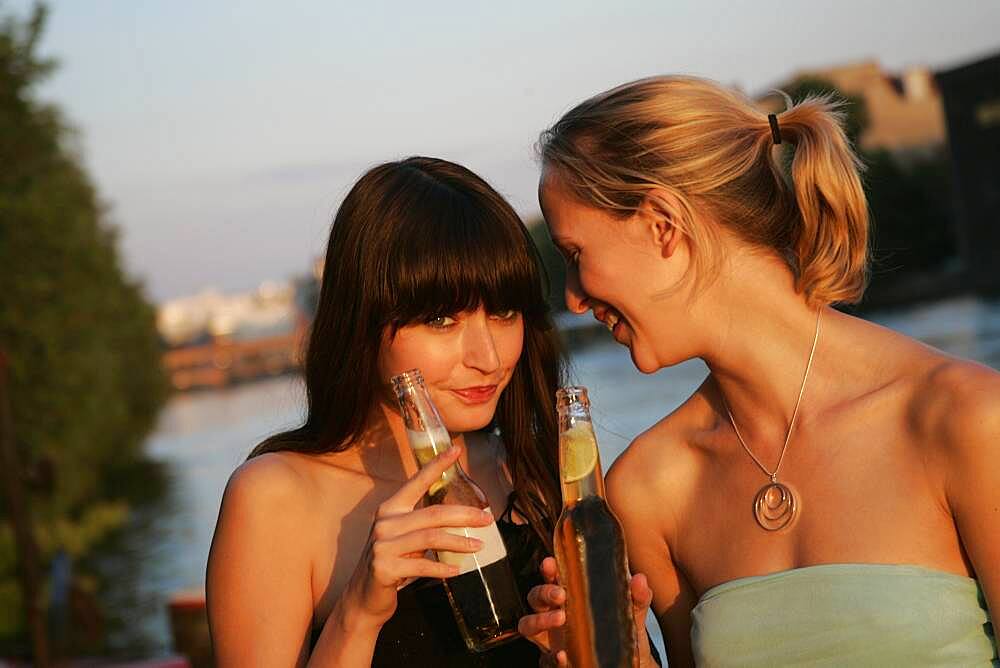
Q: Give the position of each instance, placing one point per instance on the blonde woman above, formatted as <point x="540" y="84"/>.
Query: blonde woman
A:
<point x="831" y="492"/>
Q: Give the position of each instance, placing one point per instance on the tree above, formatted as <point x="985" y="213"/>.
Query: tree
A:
<point x="85" y="376"/>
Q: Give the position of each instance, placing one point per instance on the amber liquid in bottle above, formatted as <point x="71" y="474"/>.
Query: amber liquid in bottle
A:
<point x="590" y="548"/>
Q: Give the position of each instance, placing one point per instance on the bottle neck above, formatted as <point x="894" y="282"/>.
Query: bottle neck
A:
<point x="576" y="490"/>
<point x="580" y="472"/>
<point x="428" y="438"/>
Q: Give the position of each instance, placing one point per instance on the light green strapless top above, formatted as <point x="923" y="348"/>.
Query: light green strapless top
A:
<point x="845" y="615"/>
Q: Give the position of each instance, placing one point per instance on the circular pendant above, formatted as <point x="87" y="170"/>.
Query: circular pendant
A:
<point x="774" y="506"/>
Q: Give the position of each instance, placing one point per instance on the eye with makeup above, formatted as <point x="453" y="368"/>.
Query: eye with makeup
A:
<point x="571" y="256"/>
<point x="566" y="248"/>
<point x="506" y="316"/>
<point x="445" y="322"/>
<point x="440" y="322"/>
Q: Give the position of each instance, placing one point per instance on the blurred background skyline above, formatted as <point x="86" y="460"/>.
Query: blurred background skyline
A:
<point x="224" y="136"/>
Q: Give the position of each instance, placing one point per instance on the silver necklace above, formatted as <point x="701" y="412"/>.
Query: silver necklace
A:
<point x="774" y="506"/>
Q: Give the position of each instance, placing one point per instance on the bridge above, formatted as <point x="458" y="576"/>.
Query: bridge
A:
<point x="225" y="361"/>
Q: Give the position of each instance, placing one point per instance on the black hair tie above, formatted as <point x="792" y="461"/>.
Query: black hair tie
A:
<point x="775" y="130"/>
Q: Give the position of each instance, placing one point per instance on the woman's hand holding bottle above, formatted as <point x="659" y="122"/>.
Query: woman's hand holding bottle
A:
<point x="544" y="627"/>
<point x="399" y="540"/>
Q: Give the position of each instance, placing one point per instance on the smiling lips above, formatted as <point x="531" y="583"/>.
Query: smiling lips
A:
<point x="609" y="317"/>
<point x="477" y="395"/>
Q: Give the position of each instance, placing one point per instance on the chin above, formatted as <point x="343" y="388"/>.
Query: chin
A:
<point x="643" y="362"/>
<point x="468" y="419"/>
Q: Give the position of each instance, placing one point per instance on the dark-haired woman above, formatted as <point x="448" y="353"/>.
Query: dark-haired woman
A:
<point x="319" y="553"/>
<point x="830" y="495"/>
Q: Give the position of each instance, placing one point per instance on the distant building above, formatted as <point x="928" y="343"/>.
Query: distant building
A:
<point x="267" y="311"/>
<point x="972" y="105"/>
<point x="904" y="111"/>
<point x="213" y="339"/>
<point x="186" y="320"/>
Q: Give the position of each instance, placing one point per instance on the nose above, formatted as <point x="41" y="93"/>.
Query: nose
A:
<point x="480" y="349"/>
<point x="576" y="298"/>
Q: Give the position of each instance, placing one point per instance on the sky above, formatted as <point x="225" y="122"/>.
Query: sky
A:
<point x="225" y="134"/>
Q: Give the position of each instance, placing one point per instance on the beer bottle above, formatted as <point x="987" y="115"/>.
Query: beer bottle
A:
<point x="484" y="595"/>
<point x="590" y="547"/>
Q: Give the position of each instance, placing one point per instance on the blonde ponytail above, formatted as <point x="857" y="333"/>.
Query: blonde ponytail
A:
<point x="831" y="243"/>
<point x="712" y="148"/>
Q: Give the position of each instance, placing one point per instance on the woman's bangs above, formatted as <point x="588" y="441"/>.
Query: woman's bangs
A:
<point x="458" y="258"/>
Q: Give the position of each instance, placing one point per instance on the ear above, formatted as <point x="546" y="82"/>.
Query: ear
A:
<point x="663" y="215"/>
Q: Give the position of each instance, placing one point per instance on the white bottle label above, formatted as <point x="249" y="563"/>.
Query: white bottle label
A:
<point x="493" y="549"/>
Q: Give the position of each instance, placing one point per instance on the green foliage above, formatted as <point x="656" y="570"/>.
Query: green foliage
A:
<point x="911" y="213"/>
<point x="553" y="263"/>
<point x="85" y="376"/>
<point x="11" y="605"/>
<point x="78" y="537"/>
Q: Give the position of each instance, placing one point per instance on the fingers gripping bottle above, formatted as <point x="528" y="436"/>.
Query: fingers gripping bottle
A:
<point x="590" y="547"/>
<point x="484" y="595"/>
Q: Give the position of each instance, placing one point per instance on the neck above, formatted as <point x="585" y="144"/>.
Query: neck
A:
<point x="758" y="350"/>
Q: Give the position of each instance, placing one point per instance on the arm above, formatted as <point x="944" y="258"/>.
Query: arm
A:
<point x="258" y="583"/>
<point x="637" y="501"/>
<point x="260" y="597"/>
<point x="971" y="439"/>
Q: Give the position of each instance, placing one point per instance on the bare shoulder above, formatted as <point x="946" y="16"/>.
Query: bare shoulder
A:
<point x="955" y="405"/>
<point x="271" y="512"/>
<point x="276" y="494"/>
<point x="266" y="502"/>
<point x="650" y="487"/>
<point x="273" y="481"/>
<point x="660" y="461"/>
<point x="665" y="449"/>
<point x="260" y="566"/>
<point x="651" y="455"/>
<point x="287" y="483"/>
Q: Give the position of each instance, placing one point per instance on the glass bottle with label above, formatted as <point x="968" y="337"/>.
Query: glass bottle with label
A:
<point x="590" y="547"/>
<point x="484" y="595"/>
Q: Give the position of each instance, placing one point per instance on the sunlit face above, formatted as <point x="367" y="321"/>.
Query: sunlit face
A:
<point x="614" y="268"/>
<point x="466" y="359"/>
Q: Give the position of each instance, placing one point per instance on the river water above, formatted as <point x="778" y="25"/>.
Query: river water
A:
<point x="202" y="437"/>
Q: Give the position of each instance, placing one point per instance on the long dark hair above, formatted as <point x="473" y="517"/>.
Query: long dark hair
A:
<point x="414" y="240"/>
